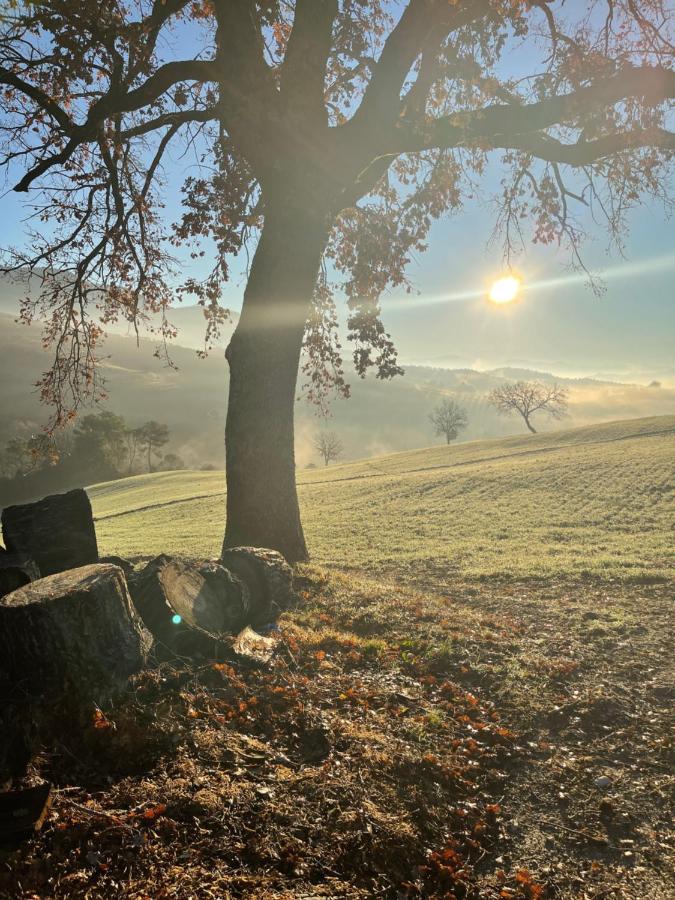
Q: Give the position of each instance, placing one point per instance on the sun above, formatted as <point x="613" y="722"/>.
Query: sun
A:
<point x="504" y="290"/>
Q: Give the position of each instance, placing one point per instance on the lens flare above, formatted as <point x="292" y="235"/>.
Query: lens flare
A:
<point x="504" y="290"/>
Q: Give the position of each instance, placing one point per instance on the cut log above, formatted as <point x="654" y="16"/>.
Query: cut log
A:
<point x="57" y="532"/>
<point x="73" y="633"/>
<point x="124" y="564"/>
<point x="189" y="605"/>
<point x="268" y="576"/>
<point x="15" y="571"/>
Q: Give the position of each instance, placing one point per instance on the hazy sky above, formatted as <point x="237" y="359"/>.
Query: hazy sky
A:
<point x="558" y="324"/>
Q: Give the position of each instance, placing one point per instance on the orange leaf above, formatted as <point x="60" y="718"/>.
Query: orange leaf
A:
<point x="99" y="720"/>
<point x="154" y="811"/>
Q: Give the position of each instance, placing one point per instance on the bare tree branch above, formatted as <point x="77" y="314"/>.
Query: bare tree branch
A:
<point x="654" y="84"/>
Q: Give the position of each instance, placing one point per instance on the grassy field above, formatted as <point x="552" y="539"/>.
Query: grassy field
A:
<point x="588" y="501"/>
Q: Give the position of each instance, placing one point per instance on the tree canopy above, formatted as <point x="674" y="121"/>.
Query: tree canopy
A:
<point x="388" y="110"/>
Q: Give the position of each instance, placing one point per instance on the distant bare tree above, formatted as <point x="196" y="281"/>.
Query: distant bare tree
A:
<point x="529" y="397"/>
<point x="328" y="445"/>
<point x="448" y="419"/>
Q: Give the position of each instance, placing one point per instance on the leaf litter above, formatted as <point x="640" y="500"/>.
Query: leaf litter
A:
<point x="406" y="741"/>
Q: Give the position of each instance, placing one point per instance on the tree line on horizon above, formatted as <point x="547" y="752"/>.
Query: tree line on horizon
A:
<point x="449" y="418"/>
<point x="101" y="447"/>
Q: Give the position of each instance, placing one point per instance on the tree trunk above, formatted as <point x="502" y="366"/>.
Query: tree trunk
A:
<point x="527" y="422"/>
<point x="264" y="354"/>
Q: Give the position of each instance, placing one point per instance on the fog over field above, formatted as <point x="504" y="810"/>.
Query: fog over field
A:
<point x="380" y="417"/>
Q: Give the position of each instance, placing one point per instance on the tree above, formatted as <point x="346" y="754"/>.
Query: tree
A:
<point x="328" y="445"/>
<point x="23" y="455"/>
<point x="153" y="435"/>
<point x="132" y="439"/>
<point x="99" y="442"/>
<point x="17" y="458"/>
<point x="529" y="397"/>
<point x="324" y="130"/>
<point x="170" y="462"/>
<point x="448" y="419"/>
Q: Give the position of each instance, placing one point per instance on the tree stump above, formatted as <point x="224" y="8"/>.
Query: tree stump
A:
<point x="75" y="633"/>
<point x="15" y="571"/>
<point x="57" y="531"/>
<point x="269" y="579"/>
<point x="189" y="605"/>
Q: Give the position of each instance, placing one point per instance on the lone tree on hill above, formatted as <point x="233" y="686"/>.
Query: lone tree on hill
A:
<point x="321" y="130"/>
<point x="448" y="419"/>
<point x="529" y="397"/>
<point x="328" y="445"/>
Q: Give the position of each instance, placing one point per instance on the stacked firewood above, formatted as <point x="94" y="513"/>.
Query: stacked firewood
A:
<point x="74" y="625"/>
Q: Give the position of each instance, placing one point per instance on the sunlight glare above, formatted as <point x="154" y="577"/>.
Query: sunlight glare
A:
<point x="504" y="290"/>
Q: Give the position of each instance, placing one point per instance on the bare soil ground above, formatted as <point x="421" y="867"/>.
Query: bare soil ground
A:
<point x="437" y="739"/>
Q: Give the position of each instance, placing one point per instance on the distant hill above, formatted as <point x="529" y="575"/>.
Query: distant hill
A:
<point x="380" y="417"/>
<point x="188" y="320"/>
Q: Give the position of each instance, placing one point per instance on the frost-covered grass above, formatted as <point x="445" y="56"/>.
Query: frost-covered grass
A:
<point x="594" y="500"/>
